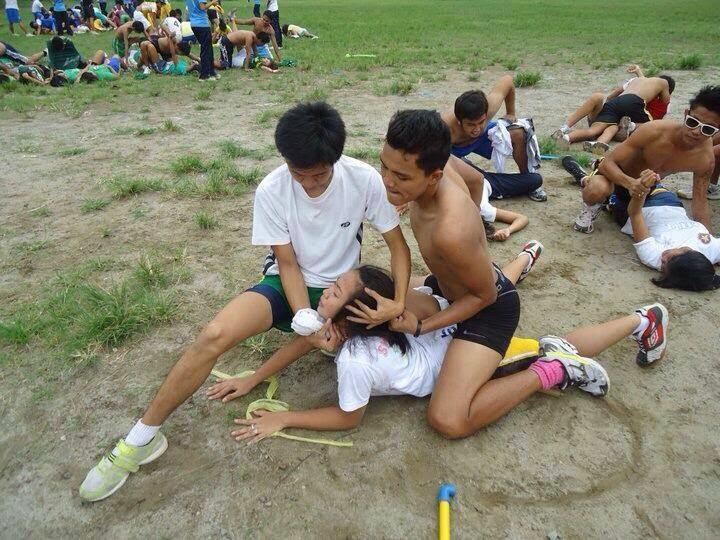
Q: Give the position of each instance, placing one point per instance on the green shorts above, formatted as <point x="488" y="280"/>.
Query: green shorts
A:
<point x="271" y="288"/>
<point x="118" y="46"/>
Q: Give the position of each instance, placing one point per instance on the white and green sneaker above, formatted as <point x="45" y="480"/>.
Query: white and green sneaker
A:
<point x="110" y="474"/>
<point x="585" y="373"/>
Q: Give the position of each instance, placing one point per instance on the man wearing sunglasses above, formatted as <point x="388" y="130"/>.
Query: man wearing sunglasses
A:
<point x="662" y="147"/>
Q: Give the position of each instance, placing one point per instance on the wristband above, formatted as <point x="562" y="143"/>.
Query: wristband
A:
<point x="418" y="329"/>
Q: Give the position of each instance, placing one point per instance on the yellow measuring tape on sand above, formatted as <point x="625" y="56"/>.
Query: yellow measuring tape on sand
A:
<point x="275" y="405"/>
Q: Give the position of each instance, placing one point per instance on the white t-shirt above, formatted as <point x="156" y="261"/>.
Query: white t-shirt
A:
<point x="325" y="231"/>
<point x="272" y="5"/>
<point x="487" y="210"/>
<point x="670" y="227"/>
<point x="174" y="26"/>
<point x="138" y="16"/>
<point x="13" y="4"/>
<point x="370" y="367"/>
<point x="37" y="6"/>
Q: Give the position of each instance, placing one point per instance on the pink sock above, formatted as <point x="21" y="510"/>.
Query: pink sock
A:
<point x="550" y="373"/>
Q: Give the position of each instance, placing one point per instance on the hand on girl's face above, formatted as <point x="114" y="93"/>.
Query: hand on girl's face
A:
<point x="229" y="389"/>
<point x="387" y="309"/>
<point x="256" y="429"/>
<point x="328" y="338"/>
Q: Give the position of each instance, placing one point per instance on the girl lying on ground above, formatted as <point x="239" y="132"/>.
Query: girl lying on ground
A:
<point x="666" y="239"/>
<point x="378" y="361"/>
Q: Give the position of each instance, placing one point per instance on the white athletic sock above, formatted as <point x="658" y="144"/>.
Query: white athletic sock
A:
<point x="141" y="434"/>
<point x="644" y="323"/>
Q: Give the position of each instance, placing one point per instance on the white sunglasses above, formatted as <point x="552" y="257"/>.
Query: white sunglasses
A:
<point x="705" y="129"/>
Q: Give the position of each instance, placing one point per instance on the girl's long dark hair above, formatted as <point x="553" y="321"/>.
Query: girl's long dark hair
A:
<point x="379" y="281"/>
<point x="690" y="271"/>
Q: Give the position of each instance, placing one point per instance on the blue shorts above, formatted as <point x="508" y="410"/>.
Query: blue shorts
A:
<point x="481" y="146"/>
<point x="12" y="15"/>
<point x="114" y="64"/>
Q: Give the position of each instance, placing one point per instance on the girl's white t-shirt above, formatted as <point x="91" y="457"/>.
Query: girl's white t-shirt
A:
<point x="370" y="367"/>
<point x="670" y="227"/>
<point x="325" y="231"/>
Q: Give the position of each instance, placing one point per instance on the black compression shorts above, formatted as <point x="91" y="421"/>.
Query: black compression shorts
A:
<point x="495" y="325"/>
<point x="623" y="105"/>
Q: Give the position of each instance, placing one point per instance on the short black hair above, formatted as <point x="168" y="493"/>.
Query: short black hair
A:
<point x="137" y="26"/>
<point x="310" y="134"/>
<point x="184" y="47"/>
<point x="88" y="77"/>
<point x="471" y="105"/>
<point x="670" y="81"/>
<point x="268" y="13"/>
<point x="284" y="29"/>
<point x="423" y="133"/>
<point x="58" y="80"/>
<point x="708" y="97"/>
<point x="263" y="37"/>
<point x="57" y="43"/>
<point x="690" y="271"/>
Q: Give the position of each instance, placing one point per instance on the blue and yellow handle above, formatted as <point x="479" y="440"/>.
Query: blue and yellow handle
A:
<point x="445" y="493"/>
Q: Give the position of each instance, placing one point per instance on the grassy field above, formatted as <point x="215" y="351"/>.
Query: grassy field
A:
<point x="125" y="226"/>
<point x="413" y="40"/>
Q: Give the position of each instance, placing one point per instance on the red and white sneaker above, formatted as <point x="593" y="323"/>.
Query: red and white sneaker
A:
<point x="653" y="341"/>
<point x="533" y="249"/>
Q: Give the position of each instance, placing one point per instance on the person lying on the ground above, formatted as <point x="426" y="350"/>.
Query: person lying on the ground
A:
<point x="43" y="23"/>
<point x="624" y="108"/>
<point x="316" y="193"/>
<point x="713" y="191"/>
<point x="295" y="31"/>
<point x="490" y="214"/>
<point x="664" y="147"/>
<point x="263" y="25"/>
<point x="26" y="73"/>
<point x="381" y="362"/>
<point x="127" y="33"/>
<point x="667" y="240"/>
<point x="242" y="39"/>
<point x="594" y="104"/>
<point x="10" y="54"/>
<point x="471" y="120"/>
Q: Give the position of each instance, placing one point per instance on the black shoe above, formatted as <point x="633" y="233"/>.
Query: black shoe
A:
<point x="573" y="167"/>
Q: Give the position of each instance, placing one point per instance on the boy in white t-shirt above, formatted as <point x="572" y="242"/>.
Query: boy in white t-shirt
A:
<point x="667" y="240"/>
<point x="310" y="212"/>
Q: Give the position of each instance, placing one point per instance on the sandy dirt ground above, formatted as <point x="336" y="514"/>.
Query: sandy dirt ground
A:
<point x="644" y="462"/>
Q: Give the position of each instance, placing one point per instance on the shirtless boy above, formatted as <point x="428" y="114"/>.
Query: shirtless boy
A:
<point x="239" y="39"/>
<point x="663" y="147"/>
<point x="484" y="303"/>
<point x="469" y="123"/>
<point x="613" y="118"/>
<point x="122" y="39"/>
<point x="260" y="25"/>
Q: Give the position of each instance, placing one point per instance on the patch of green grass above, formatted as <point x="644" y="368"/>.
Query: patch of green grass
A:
<point x="42" y="211"/>
<point x="122" y="187"/>
<point x="317" y="94"/>
<point x="75" y="314"/>
<point x="205" y="220"/>
<point x="72" y="151"/>
<point x="188" y="164"/>
<point x="215" y="187"/>
<point x="511" y="64"/>
<point x="472" y="78"/>
<point x="548" y="145"/>
<point x="401" y="88"/>
<point x="139" y="212"/>
<point x="203" y="95"/>
<point x="201" y="107"/>
<point x="651" y="71"/>
<point x="29" y="147"/>
<point x="170" y="126"/>
<point x="106" y="232"/>
<point x="231" y="149"/>
<point x="583" y="158"/>
<point x="690" y="62"/>
<point x="249" y="176"/>
<point x="141" y="132"/>
<point x="527" y="78"/>
<point x="264" y="117"/>
<point x="32" y="246"/>
<point x="362" y="152"/>
<point x="93" y="205"/>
